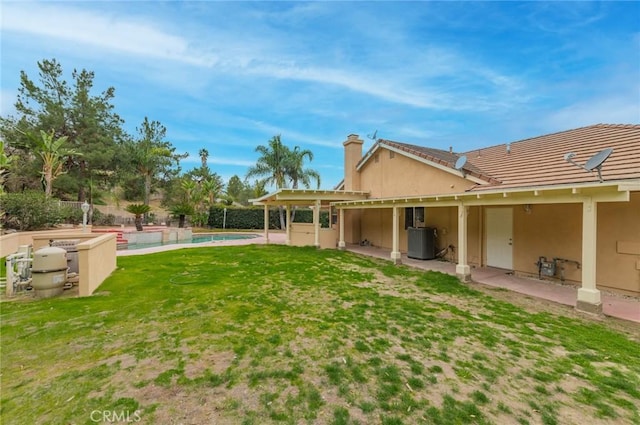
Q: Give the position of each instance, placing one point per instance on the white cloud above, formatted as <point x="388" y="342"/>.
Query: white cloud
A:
<point x="411" y="77"/>
<point x="611" y="110"/>
<point x="109" y="32"/>
<point x="292" y="137"/>
<point x="193" y="159"/>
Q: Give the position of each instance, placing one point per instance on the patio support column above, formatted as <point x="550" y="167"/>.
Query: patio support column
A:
<point x="266" y="224"/>
<point x="463" y="271"/>
<point x="341" y="244"/>
<point x="396" y="256"/>
<point x="287" y="213"/>
<point x="316" y="224"/>
<point x="588" y="295"/>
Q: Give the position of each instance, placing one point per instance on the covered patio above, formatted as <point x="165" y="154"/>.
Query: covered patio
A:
<point x="315" y="199"/>
<point x="588" y="195"/>
<point x="613" y="305"/>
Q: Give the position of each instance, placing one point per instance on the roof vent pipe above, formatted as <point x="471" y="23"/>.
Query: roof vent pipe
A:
<point x="450" y="149"/>
<point x="508" y="147"/>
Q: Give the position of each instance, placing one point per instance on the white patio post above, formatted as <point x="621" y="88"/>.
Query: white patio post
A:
<point x="463" y="271"/>
<point x="396" y="256"/>
<point x="266" y="224"/>
<point x="287" y="210"/>
<point x="316" y="224"/>
<point x="588" y="296"/>
<point x="341" y="242"/>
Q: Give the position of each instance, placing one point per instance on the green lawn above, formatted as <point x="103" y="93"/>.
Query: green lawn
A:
<point x="275" y="334"/>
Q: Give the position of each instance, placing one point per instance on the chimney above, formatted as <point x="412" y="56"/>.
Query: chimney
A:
<point x="352" y="154"/>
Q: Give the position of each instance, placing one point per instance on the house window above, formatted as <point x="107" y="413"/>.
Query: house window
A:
<point x="392" y="154"/>
<point x="413" y="217"/>
<point x="376" y="158"/>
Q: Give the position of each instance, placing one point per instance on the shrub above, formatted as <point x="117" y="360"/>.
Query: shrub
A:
<point x="100" y="219"/>
<point x="70" y="214"/>
<point x="253" y="218"/>
<point x="30" y="211"/>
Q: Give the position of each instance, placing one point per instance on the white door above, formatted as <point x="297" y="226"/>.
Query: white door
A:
<point x="500" y="237"/>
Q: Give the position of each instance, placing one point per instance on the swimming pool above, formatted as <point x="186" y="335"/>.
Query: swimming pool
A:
<point x="196" y="239"/>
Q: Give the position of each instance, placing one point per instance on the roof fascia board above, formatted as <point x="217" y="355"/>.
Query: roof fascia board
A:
<point x="614" y="192"/>
<point x="291" y="196"/>
<point x="471" y="202"/>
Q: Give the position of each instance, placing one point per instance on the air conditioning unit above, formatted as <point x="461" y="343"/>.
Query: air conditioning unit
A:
<point x="422" y="244"/>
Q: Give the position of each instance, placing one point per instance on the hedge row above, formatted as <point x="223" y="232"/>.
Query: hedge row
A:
<point x="253" y="218"/>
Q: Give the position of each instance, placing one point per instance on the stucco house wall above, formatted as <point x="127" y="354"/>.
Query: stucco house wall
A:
<point x="618" y="265"/>
<point x="549" y="230"/>
<point x="393" y="174"/>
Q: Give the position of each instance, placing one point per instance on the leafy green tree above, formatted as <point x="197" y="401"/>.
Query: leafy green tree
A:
<point x="258" y="189"/>
<point x="235" y="187"/>
<point x="153" y="157"/>
<point x="138" y="210"/>
<point x="71" y="110"/>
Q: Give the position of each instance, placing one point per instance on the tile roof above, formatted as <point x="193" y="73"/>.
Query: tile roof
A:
<point x="539" y="161"/>
<point x="439" y="156"/>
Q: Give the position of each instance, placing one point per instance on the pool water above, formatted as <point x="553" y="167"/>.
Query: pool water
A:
<point x="196" y="239"/>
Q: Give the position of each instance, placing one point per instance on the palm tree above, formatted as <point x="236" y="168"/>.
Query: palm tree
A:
<point x="298" y="174"/>
<point x="52" y="151"/>
<point x="296" y="171"/>
<point x="204" y="154"/>
<point x="211" y="188"/>
<point x="138" y="210"/>
<point x="182" y="211"/>
<point x="272" y="165"/>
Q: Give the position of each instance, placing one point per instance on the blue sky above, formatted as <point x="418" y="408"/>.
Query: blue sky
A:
<point x="227" y="76"/>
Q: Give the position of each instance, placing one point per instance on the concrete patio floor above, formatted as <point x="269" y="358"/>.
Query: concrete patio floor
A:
<point x="614" y="305"/>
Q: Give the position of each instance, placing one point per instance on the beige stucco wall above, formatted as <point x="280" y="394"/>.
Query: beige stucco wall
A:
<point x="303" y="234"/>
<point x="9" y="243"/>
<point x="405" y="176"/>
<point x="96" y="260"/>
<point x="549" y="230"/>
<point x="352" y="233"/>
<point x="555" y="230"/>
<point x="618" y="239"/>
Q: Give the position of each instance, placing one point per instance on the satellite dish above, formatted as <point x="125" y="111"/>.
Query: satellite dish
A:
<point x="373" y="136"/>
<point x="460" y="162"/>
<point x="595" y="162"/>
